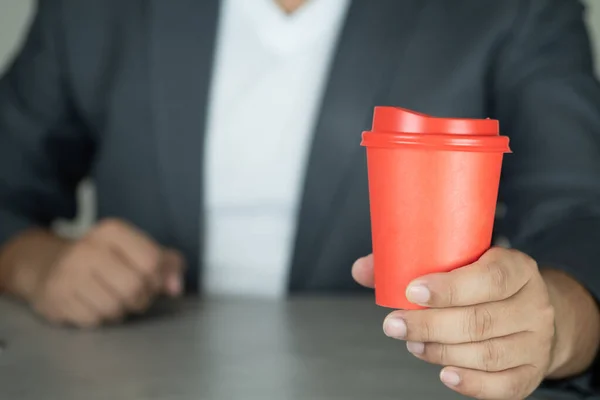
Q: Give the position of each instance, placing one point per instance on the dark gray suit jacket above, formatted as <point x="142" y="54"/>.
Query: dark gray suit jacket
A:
<point x="117" y="90"/>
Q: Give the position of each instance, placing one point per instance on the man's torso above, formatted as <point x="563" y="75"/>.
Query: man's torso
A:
<point x="139" y="74"/>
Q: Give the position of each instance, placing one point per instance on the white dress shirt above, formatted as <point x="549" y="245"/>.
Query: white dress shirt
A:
<point x="270" y="71"/>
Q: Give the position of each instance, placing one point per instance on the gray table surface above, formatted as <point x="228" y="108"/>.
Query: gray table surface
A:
<point x="311" y="348"/>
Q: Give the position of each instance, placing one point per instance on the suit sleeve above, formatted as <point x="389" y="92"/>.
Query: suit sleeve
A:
<point x="547" y="99"/>
<point x="44" y="149"/>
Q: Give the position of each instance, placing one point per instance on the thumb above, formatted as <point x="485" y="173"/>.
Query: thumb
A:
<point x="362" y="271"/>
<point x="173" y="266"/>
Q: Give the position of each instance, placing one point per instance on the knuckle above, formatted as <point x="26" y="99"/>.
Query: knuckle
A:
<point x="443" y="354"/>
<point x="88" y="242"/>
<point x="136" y="293"/>
<point x="496" y="252"/>
<point x="547" y="321"/>
<point x="109" y="226"/>
<point x="139" y="303"/>
<point x="427" y="331"/>
<point x="548" y="315"/>
<point x="75" y="254"/>
<point x="89" y="237"/>
<point x="151" y="260"/>
<point x="140" y="288"/>
<point x="147" y="272"/>
<point x="130" y="298"/>
<point x="478" y="323"/>
<point x="452" y="293"/>
<point x="499" y="280"/>
<point x="493" y="356"/>
<point x="154" y="282"/>
<point x="112" y="310"/>
<point x="527" y="263"/>
<point x="530" y="266"/>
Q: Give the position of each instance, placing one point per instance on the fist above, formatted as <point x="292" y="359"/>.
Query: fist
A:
<point x="113" y="271"/>
<point x="490" y="324"/>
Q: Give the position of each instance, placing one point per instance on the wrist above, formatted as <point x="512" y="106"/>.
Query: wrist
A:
<point x="577" y="325"/>
<point x="26" y="260"/>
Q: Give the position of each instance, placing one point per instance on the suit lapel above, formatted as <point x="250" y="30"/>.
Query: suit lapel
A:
<point x="182" y="39"/>
<point x="369" y="50"/>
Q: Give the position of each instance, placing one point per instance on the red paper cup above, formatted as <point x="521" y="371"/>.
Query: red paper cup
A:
<point x="433" y="188"/>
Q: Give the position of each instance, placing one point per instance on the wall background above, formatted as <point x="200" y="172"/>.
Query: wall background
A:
<point x="14" y="18"/>
<point x="593" y="18"/>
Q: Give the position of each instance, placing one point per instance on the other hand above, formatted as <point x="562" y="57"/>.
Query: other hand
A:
<point x="491" y="324"/>
<point x="113" y="271"/>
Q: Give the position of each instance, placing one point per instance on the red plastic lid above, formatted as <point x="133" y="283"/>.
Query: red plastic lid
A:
<point x="395" y="126"/>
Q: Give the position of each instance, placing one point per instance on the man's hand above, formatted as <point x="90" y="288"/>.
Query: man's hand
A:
<point x="491" y="323"/>
<point x="111" y="272"/>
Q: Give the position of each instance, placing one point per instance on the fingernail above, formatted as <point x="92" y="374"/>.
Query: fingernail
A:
<point x="418" y="294"/>
<point x="175" y="285"/>
<point x="394" y="327"/>
<point x="450" y="378"/>
<point x="415" y="347"/>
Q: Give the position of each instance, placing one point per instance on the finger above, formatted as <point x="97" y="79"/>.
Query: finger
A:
<point x="461" y="325"/>
<point x="516" y="383"/>
<point x="137" y="248"/>
<point x="497" y="275"/>
<point x="53" y="315"/>
<point x="124" y="283"/>
<point x="51" y="306"/>
<point x="173" y="267"/>
<point x="362" y="271"/>
<point x="491" y="355"/>
<point x="102" y="300"/>
<point x="79" y="313"/>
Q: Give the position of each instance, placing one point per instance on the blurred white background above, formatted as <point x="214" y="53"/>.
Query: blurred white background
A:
<point x="14" y="18"/>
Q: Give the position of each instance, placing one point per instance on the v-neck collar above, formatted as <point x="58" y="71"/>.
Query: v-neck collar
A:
<point x="285" y="32"/>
